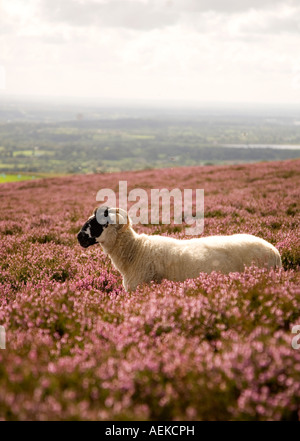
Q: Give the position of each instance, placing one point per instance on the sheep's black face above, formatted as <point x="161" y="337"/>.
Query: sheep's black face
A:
<point x="91" y="231"/>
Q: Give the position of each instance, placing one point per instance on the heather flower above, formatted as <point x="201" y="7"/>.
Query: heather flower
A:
<point x="79" y="347"/>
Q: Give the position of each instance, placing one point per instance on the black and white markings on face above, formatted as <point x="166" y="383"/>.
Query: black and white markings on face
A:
<point x="90" y="232"/>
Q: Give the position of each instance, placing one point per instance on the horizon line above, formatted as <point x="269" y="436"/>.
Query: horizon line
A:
<point x="63" y="99"/>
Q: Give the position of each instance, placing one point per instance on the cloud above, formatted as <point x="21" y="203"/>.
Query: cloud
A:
<point x="146" y="14"/>
<point x="280" y="20"/>
<point x="114" y="13"/>
<point x="151" y="49"/>
<point x="6" y="28"/>
<point x="224" y="6"/>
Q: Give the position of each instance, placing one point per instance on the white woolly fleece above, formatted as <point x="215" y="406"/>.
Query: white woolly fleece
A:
<point x="141" y="258"/>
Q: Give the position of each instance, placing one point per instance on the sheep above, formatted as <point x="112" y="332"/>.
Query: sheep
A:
<point x="141" y="258"/>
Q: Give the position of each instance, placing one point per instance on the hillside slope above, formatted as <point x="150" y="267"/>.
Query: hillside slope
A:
<point x="79" y="347"/>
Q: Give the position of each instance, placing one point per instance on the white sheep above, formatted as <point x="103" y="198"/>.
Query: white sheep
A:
<point x="141" y="258"/>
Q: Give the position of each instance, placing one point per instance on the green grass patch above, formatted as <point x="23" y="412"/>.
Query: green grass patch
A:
<point x="15" y="177"/>
<point x="23" y="153"/>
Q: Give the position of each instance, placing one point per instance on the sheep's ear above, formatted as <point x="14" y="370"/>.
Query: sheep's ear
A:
<point x="124" y="218"/>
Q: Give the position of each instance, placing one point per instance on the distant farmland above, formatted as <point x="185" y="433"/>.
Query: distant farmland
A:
<point x="41" y="140"/>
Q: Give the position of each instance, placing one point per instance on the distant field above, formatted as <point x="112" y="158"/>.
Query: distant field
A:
<point x="110" y="140"/>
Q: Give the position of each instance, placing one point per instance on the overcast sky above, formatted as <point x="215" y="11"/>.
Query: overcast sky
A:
<point x="191" y="50"/>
